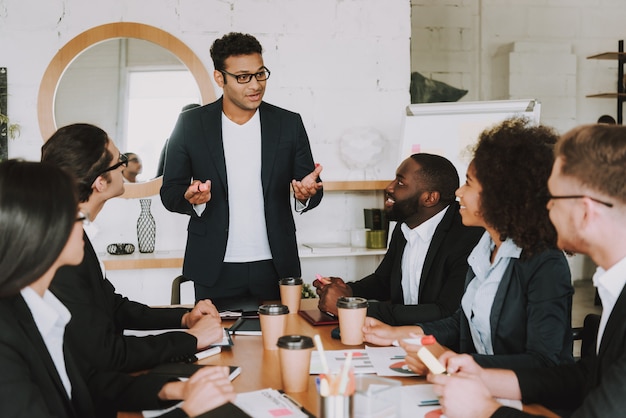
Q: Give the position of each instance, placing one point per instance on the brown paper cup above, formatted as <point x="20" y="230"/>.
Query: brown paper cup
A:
<point x="295" y="357"/>
<point x="273" y="322"/>
<point x="352" y="312"/>
<point x="291" y="293"/>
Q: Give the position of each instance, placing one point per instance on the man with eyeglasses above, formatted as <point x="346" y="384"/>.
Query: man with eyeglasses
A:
<point x="587" y="205"/>
<point x="133" y="167"/>
<point x="229" y="167"/>
<point x="99" y="315"/>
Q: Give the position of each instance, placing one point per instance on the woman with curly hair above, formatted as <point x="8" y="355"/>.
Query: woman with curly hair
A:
<point x="516" y="309"/>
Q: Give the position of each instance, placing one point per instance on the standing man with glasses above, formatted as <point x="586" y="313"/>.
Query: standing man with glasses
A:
<point x="229" y="167"/>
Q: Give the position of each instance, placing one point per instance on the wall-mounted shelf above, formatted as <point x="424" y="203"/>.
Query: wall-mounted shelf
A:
<point x="620" y="94"/>
<point x="151" y="188"/>
<point x="355" y="185"/>
<point x="174" y="259"/>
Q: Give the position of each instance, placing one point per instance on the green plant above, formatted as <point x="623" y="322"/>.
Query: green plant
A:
<point x="308" y="292"/>
<point x="13" y="129"/>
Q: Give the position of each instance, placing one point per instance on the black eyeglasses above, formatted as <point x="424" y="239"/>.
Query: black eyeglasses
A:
<point x="579" y="196"/>
<point x="123" y="162"/>
<point x="262" y="75"/>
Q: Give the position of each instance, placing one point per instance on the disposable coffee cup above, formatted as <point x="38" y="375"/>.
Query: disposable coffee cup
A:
<point x="352" y="312"/>
<point x="273" y="320"/>
<point x="291" y="293"/>
<point x="295" y="357"/>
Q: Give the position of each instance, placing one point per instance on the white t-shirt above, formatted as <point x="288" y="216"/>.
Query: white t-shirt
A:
<point x="247" y="230"/>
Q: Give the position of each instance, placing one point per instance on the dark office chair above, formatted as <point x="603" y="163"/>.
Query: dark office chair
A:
<point x="175" y="300"/>
<point x="587" y="334"/>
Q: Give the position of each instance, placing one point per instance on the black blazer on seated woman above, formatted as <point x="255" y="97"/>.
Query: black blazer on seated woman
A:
<point x="530" y="317"/>
<point x="30" y="385"/>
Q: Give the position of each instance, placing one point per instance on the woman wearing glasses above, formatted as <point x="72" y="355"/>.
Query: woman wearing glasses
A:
<point x="40" y="232"/>
<point x="516" y="309"/>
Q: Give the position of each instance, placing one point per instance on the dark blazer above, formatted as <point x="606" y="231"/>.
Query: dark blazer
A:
<point x="30" y="385"/>
<point x="530" y="317"/>
<point x="195" y="151"/>
<point x="99" y="315"/>
<point x="442" y="278"/>
<point x="594" y="386"/>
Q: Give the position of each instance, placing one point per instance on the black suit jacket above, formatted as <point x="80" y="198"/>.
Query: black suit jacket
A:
<point x="530" y="317"/>
<point x="594" y="386"/>
<point x="195" y="151"/>
<point x="99" y="315"/>
<point x="30" y="385"/>
<point x="442" y="277"/>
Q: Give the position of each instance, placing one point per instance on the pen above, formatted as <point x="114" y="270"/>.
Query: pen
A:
<point x="421" y="340"/>
<point x="429" y="402"/>
<point x="320" y="349"/>
<point x="293" y="401"/>
<point x="343" y="383"/>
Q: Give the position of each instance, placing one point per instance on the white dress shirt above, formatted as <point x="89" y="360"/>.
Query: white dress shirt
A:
<point x="610" y="284"/>
<point x="51" y="317"/>
<point x="417" y="243"/>
<point x="481" y="291"/>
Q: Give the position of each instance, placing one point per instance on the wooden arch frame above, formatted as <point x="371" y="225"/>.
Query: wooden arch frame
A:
<point x="90" y="37"/>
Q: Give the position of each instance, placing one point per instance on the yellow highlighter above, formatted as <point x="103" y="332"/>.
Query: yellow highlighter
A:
<point x="430" y="361"/>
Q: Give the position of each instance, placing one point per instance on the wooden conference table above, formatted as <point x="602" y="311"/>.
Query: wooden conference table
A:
<point x="260" y="368"/>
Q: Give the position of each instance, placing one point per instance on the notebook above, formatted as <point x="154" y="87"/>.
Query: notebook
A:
<point x="187" y="369"/>
<point x="246" y="326"/>
<point x="317" y="317"/>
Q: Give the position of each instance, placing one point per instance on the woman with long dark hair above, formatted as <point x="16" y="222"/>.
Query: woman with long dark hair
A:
<point x="40" y="231"/>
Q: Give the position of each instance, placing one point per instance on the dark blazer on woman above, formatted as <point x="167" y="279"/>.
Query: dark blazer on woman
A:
<point x="442" y="277"/>
<point x="99" y="315"/>
<point x="30" y="385"/>
<point x="530" y="317"/>
<point x="195" y="151"/>
<point x="594" y="386"/>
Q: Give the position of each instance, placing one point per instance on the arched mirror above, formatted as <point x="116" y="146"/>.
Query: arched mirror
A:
<point x="121" y="47"/>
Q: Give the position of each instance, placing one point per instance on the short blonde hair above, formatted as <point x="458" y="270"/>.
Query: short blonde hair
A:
<point x="596" y="156"/>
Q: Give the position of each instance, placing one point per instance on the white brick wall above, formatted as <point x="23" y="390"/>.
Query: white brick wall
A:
<point x="582" y="27"/>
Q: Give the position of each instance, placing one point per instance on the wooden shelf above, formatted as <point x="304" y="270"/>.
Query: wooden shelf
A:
<point x="356" y="185"/>
<point x="174" y="259"/>
<point x="608" y="56"/>
<point x="608" y="95"/>
<point x="620" y="93"/>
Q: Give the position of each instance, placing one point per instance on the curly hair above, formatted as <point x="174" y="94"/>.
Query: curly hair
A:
<point x="513" y="161"/>
<point x="232" y="44"/>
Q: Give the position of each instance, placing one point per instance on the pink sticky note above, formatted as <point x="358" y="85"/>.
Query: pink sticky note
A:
<point x="280" y="412"/>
